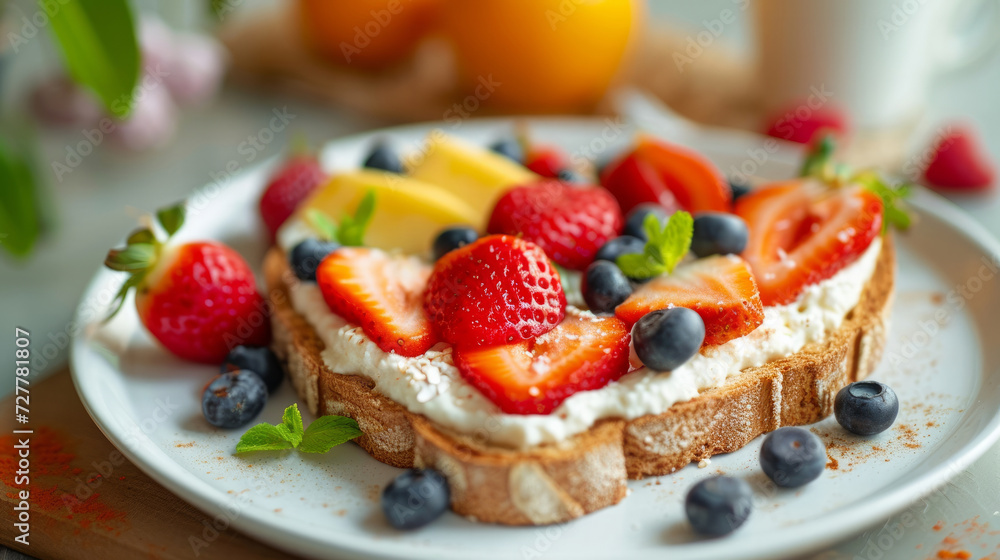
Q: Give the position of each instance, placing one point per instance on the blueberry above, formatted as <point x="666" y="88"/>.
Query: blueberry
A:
<point x="570" y="176"/>
<point x="453" y="238"/>
<point x="384" y="158"/>
<point x="719" y="505"/>
<point x="234" y="399"/>
<point x="258" y="359"/>
<point x="667" y="338"/>
<point x="619" y="246"/>
<point x="866" y="407"/>
<point x="718" y="233"/>
<point x="605" y="287"/>
<point x="792" y="457"/>
<point x="307" y="255"/>
<point x="415" y="498"/>
<point x="510" y="148"/>
<point x="738" y="189"/>
<point x="636" y="217"/>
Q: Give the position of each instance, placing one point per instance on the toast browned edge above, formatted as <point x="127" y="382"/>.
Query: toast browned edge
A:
<point x="558" y="482"/>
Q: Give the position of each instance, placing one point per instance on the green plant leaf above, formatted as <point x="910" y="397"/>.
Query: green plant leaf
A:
<point x="327" y="432"/>
<point x="98" y="41"/>
<point x="352" y="228"/>
<point x="665" y="248"/>
<point x="291" y="425"/>
<point x="171" y="219"/>
<point x="20" y="226"/>
<point x="322" y="224"/>
<point x="263" y="437"/>
<point x="819" y="159"/>
<point x="896" y="212"/>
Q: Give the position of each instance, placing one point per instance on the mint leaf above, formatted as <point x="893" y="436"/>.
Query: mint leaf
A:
<point x="665" y="248"/>
<point x="291" y="425"/>
<point x="99" y="45"/>
<point x="896" y="213"/>
<point x="322" y="224"/>
<point x="352" y="228"/>
<point x="675" y="241"/>
<point x="327" y="432"/>
<point x="263" y="437"/>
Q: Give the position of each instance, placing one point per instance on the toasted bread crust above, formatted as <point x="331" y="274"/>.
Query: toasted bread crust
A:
<point x="556" y="483"/>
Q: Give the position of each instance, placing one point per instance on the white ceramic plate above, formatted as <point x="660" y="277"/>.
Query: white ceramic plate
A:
<point x="947" y="379"/>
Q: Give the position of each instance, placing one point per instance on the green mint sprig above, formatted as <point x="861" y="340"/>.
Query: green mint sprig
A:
<point x="322" y="435"/>
<point x="896" y="213"/>
<point x="819" y="164"/>
<point x="351" y="230"/>
<point x="666" y="247"/>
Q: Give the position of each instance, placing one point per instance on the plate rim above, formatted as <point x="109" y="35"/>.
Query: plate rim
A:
<point x="836" y="526"/>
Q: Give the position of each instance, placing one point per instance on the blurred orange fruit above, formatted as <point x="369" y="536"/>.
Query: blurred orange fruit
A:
<point x="540" y="55"/>
<point x="367" y="34"/>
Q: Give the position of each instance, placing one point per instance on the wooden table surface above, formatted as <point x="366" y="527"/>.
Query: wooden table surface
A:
<point x="89" y="502"/>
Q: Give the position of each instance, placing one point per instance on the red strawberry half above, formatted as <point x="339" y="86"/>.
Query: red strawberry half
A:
<point x="720" y="289"/>
<point x="292" y="184"/>
<point x="534" y="377"/>
<point x="959" y="163"/>
<point x="198" y="299"/>
<point x="569" y="223"/>
<point x="382" y="293"/>
<point x="801" y="234"/>
<point x="654" y="167"/>
<point x="497" y="290"/>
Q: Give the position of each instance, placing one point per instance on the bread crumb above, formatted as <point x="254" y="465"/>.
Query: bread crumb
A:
<point x="704" y="463"/>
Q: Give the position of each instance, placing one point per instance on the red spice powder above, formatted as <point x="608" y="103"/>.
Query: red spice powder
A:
<point x="938" y="526"/>
<point x="53" y="482"/>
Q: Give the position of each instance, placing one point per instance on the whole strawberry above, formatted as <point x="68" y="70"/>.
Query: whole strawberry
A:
<point x="497" y="290"/>
<point x="569" y="223"/>
<point x="292" y="184"/>
<point x="959" y="163"/>
<point x="198" y="299"/>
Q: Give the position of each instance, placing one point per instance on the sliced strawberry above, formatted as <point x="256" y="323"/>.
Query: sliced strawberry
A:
<point x="803" y="126"/>
<point x="959" y="163"/>
<point x="633" y="181"/>
<point x="534" y="377"/>
<point x="288" y="187"/>
<point x="697" y="184"/>
<point x="720" y="289"/>
<point x="801" y="234"/>
<point x="382" y="293"/>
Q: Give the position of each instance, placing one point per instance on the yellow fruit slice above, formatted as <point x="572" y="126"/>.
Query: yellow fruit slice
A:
<point x="408" y="213"/>
<point x="476" y="175"/>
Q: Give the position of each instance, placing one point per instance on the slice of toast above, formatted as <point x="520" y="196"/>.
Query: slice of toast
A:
<point x="558" y="482"/>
